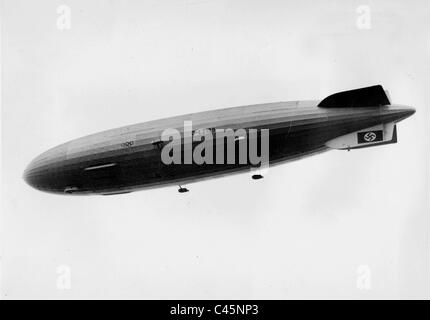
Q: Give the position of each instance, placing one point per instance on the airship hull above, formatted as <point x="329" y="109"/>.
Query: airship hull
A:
<point x="128" y="158"/>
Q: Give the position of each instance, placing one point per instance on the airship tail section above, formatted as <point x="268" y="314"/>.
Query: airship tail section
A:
<point x="373" y="96"/>
<point x="369" y="137"/>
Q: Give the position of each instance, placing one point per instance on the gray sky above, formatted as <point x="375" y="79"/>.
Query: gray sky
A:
<point x="308" y="230"/>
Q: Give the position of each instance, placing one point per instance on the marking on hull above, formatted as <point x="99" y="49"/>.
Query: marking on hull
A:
<point x="101" y="166"/>
<point x="71" y="189"/>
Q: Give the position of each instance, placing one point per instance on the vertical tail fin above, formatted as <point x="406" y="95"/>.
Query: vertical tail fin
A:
<point x="364" y="97"/>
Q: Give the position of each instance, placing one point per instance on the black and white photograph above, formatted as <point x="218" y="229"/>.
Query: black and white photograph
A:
<point x="208" y="150"/>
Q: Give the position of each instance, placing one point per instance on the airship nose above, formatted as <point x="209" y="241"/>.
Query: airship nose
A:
<point x="42" y="172"/>
<point x="29" y="174"/>
<point x="34" y="174"/>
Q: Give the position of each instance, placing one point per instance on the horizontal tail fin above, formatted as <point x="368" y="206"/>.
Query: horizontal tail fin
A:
<point x="364" y="97"/>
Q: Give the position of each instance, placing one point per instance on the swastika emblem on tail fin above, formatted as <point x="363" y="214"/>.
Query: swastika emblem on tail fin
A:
<point x="370" y="136"/>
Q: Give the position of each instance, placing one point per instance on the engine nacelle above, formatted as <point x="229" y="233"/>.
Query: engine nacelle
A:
<point x="369" y="137"/>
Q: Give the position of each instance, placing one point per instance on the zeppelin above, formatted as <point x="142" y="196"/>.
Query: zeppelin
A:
<point x="130" y="158"/>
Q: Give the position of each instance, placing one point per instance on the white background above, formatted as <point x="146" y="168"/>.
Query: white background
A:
<point x="308" y="230"/>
